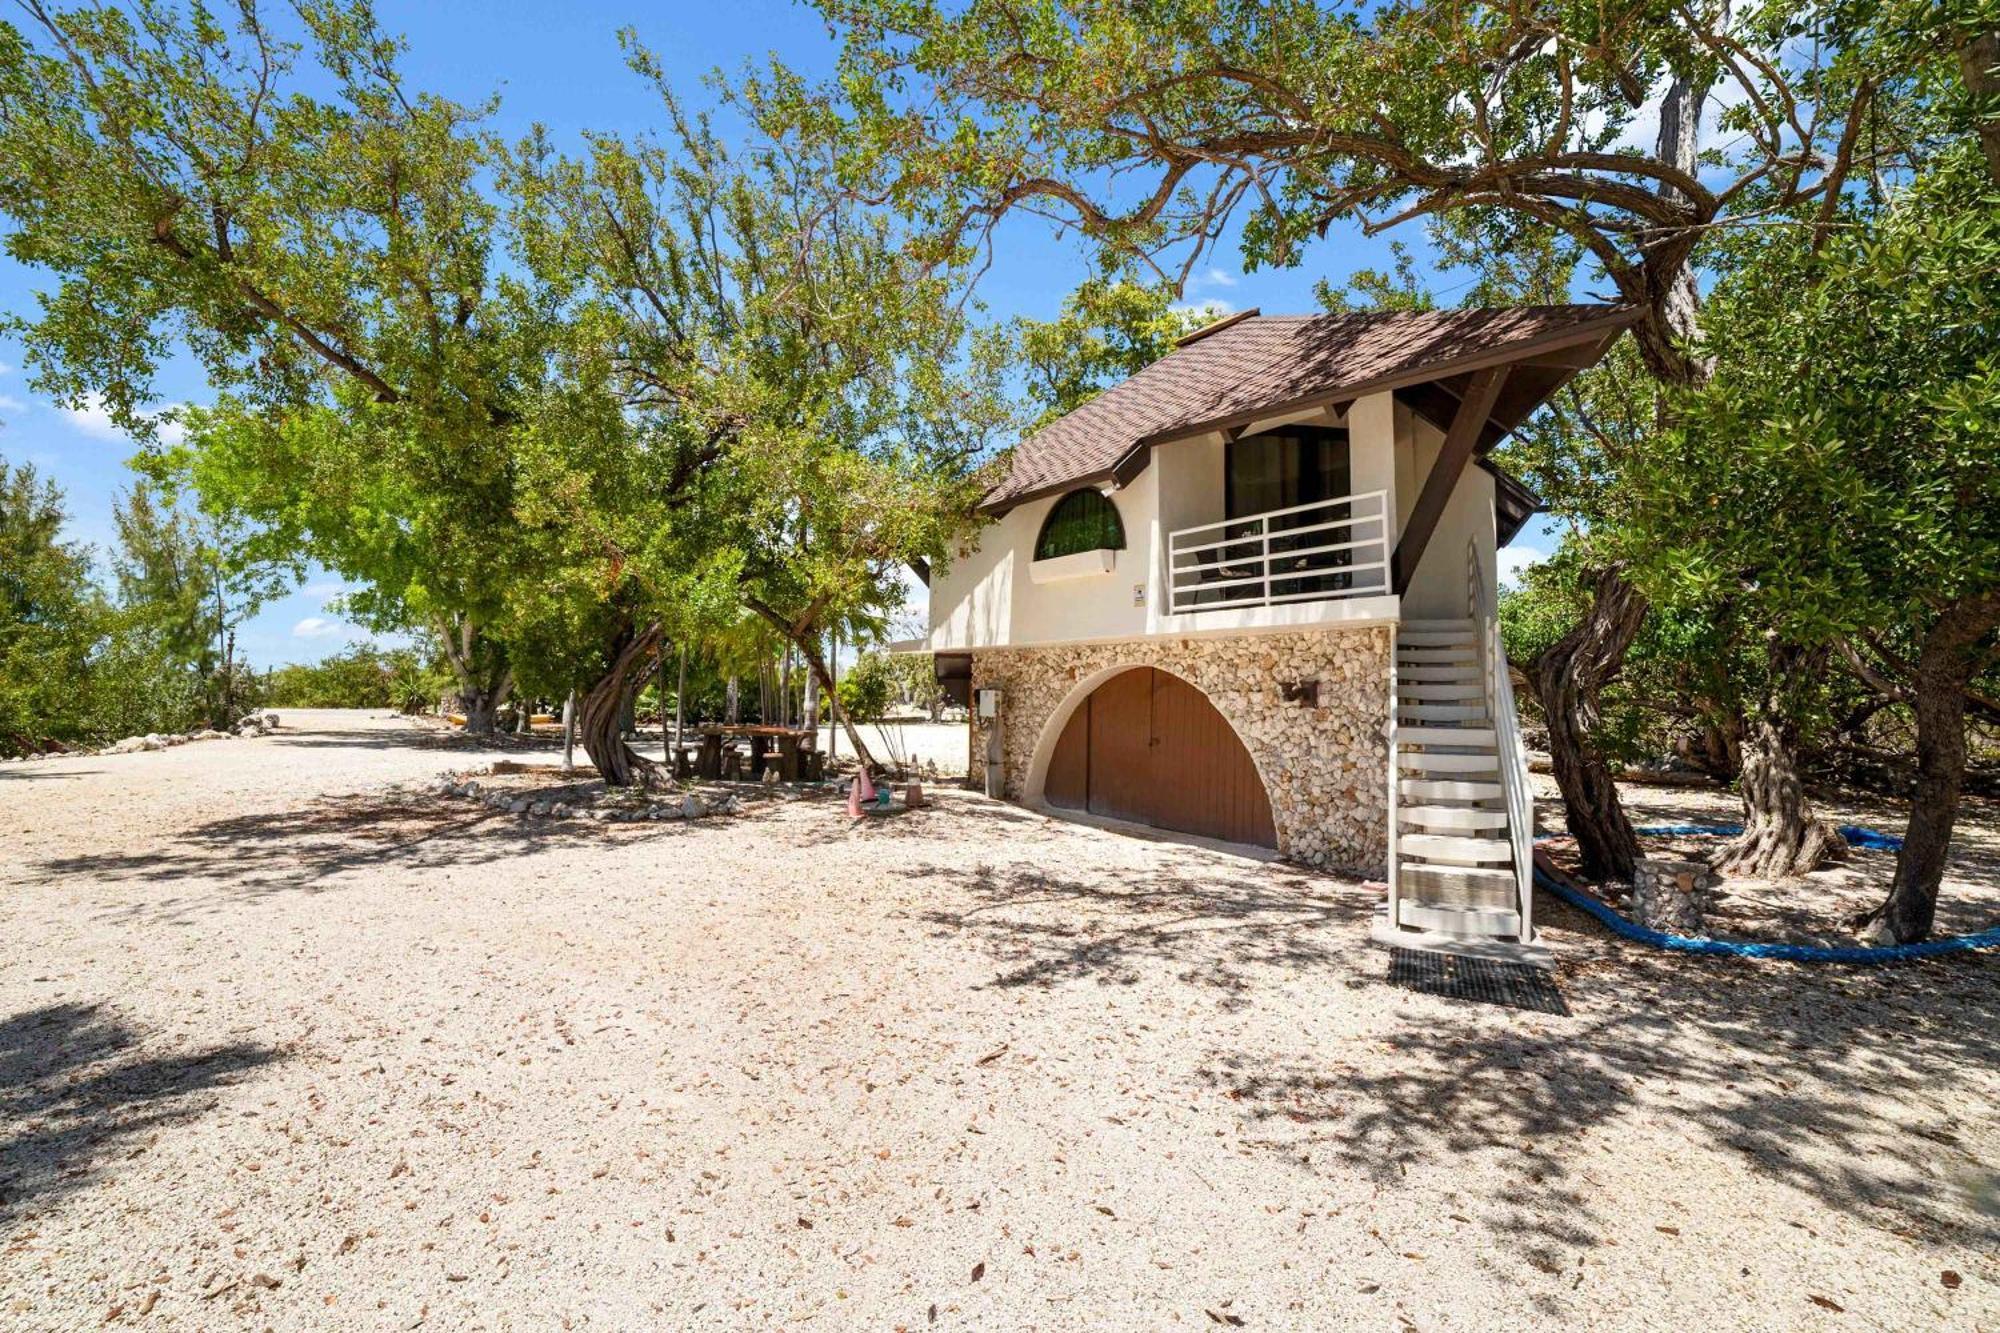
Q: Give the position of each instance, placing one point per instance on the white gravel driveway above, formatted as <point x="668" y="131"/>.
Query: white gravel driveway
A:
<point x="281" y="1048"/>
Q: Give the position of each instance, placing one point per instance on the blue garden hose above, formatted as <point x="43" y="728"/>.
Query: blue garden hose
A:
<point x="1856" y="836"/>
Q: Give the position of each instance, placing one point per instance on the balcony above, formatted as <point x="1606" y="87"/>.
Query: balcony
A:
<point x="1323" y="551"/>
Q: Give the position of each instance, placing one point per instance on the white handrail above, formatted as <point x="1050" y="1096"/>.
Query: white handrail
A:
<point x="1250" y="576"/>
<point x="1513" y="757"/>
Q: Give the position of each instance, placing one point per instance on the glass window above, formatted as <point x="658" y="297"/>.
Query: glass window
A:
<point x="1081" y="521"/>
<point x="1286" y="468"/>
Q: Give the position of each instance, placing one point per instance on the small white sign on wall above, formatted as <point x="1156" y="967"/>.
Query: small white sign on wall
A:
<point x="989" y="703"/>
<point x="1138" y="594"/>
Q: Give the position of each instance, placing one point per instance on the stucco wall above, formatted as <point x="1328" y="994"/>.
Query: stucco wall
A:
<point x="985" y="597"/>
<point x="1324" y="767"/>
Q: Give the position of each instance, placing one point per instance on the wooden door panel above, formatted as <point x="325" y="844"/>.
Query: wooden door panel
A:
<point x="1148" y="747"/>
<point x="1121" y="746"/>
<point x="1068" y="780"/>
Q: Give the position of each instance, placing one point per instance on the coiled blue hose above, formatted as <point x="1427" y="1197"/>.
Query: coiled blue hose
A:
<point x="1856" y="836"/>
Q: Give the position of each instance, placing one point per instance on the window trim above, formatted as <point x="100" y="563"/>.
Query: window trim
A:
<point x="1042" y="532"/>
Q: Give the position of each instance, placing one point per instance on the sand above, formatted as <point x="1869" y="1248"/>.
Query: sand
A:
<point x="283" y="1045"/>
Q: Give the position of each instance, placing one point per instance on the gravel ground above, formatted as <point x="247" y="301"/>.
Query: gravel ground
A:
<point x="1815" y="908"/>
<point x="284" y="1047"/>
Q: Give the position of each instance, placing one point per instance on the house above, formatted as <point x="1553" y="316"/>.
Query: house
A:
<point x="1248" y="594"/>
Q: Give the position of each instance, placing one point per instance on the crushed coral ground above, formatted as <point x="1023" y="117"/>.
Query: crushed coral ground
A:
<point x="283" y="1045"/>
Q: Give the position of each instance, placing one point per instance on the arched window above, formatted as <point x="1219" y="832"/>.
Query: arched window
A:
<point x="1081" y="521"/>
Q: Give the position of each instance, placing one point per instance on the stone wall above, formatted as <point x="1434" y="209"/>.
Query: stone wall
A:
<point x="1324" y="763"/>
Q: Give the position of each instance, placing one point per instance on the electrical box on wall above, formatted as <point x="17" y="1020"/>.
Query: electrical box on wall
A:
<point x="989" y="703"/>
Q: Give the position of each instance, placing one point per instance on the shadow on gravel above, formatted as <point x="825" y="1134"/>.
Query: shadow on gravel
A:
<point x="1850" y="1086"/>
<point x="79" y="1093"/>
<point x="1844" y="1085"/>
<point x="250" y="856"/>
<point x="42" y="775"/>
<point x="1046" y="929"/>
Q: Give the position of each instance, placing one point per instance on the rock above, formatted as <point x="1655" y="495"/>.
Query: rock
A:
<point x="560" y="810"/>
<point x="519" y="805"/>
<point x="1671" y="896"/>
<point x="271" y="720"/>
<point x="540" y="809"/>
<point x="469" y="789"/>
<point x="693" y="807"/>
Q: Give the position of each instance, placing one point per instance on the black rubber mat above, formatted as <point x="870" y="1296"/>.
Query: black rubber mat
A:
<point x="1483" y="980"/>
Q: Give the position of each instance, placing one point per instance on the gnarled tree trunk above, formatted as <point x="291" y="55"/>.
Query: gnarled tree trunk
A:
<point x="1569" y="677"/>
<point x="1946" y="663"/>
<point x="601" y="711"/>
<point x="480" y="671"/>
<point x="1781" y="837"/>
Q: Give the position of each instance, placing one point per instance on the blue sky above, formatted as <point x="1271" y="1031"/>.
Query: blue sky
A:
<point x="560" y="65"/>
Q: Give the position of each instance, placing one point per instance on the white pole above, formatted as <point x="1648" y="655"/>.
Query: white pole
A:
<point x="569" y="733"/>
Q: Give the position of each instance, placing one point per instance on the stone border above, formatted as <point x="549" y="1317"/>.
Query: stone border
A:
<point x="690" y="806"/>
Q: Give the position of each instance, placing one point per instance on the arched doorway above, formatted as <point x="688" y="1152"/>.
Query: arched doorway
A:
<point x="1148" y="747"/>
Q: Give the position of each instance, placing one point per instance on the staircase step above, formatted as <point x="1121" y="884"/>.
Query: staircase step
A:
<point x="1418" y="789"/>
<point x="1456" y="850"/>
<point x="1462" y="626"/>
<point x="1434" y="638"/>
<point x="1464" y="922"/>
<point x="1431" y="761"/>
<point x="1418" y="654"/>
<point x="1420" y="712"/>
<point x="1452" y="817"/>
<point x="1460" y="674"/>
<point x="1467" y="886"/>
<point x="1440" y="690"/>
<point x="1466" y="736"/>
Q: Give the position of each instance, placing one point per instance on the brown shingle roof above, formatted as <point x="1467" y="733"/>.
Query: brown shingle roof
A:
<point x="1262" y="365"/>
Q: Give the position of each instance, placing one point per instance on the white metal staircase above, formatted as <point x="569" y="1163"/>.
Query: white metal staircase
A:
<point x="1461" y="836"/>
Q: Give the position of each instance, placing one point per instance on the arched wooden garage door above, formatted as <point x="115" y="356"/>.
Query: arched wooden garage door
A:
<point x="1149" y="747"/>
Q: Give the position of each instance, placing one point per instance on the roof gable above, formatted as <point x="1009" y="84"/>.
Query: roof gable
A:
<point x="1258" y="365"/>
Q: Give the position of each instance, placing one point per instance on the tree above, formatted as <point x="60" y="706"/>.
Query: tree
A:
<point x="797" y="407"/>
<point x="51" y="618"/>
<point x="1838" y="470"/>
<point x="279" y="204"/>
<point x="189" y="579"/>
<point x="1108" y="330"/>
<point x="1163" y="132"/>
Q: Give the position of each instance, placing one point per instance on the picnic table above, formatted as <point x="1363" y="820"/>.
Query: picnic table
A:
<point x="797" y="753"/>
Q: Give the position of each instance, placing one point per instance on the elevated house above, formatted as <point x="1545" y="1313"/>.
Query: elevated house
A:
<point x="1248" y="594"/>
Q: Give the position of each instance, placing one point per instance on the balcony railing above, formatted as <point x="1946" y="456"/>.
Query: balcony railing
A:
<point x="1312" y="552"/>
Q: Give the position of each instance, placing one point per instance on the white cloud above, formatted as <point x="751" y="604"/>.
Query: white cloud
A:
<point x="1514" y="561"/>
<point x="1216" y="277"/>
<point x="316" y="627"/>
<point x="1209" y="309"/>
<point x="94" y="420"/>
<point x="326" y="593"/>
<point x="9" y="403"/>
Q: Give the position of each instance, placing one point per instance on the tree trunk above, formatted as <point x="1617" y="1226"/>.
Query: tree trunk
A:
<point x="1569" y="677"/>
<point x="804" y="639"/>
<point x="1781" y="838"/>
<point x="569" y="732"/>
<point x="833" y="699"/>
<point x="732" y="702"/>
<point x="809" y="715"/>
<point x="680" y="699"/>
<point x="483" y="678"/>
<point x="816" y="664"/>
<point x="601" y="712"/>
<point x="1948" y="660"/>
<point x="1979" y="67"/>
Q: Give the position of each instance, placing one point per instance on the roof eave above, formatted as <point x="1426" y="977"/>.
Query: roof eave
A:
<point x="1605" y="327"/>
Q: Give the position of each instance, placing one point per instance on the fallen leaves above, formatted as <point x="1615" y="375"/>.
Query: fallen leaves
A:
<point x="1826" y="1303"/>
<point x="978" y="1271"/>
